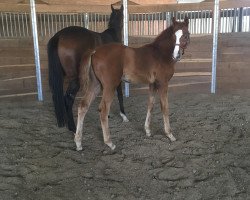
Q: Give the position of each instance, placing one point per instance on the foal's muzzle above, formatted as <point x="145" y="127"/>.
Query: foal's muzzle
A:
<point x="178" y="58"/>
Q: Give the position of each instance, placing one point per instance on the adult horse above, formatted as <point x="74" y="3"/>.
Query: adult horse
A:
<point x="65" y="50"/>
<point x="152" y="64"/>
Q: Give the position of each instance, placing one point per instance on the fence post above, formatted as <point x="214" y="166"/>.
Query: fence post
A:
<point x="215" y="44"/>
<point x="86" y="21"/>
<point x="240" y="19"/>
<point x="234" y="20"/>
<point x="36" y="49"/>
<point x="125" y="36"/>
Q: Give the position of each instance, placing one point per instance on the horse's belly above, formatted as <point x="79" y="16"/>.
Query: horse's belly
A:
<point x="132" y="78"/>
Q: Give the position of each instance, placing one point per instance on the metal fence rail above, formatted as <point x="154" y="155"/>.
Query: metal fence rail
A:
<point x="13" y="25"/>
<point x="49" y="24"/>
<point x="153" y="23"/>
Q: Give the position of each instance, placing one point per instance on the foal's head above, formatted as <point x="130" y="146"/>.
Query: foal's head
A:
<point x="116" y="18"/>
<point x="182" y="38"/>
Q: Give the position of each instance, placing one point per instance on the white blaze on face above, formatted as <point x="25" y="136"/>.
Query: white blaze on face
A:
<point x="178" y="35"/>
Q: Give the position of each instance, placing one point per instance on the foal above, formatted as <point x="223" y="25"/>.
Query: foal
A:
<point x="152" y="64"/>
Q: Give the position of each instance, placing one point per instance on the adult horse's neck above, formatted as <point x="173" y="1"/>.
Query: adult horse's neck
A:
<point x="165" y="42"/>
<point x="115" y="29"/>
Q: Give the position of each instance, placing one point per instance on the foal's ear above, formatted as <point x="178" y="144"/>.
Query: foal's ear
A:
<point x="112" y="8"/>
<point x="186" y="20"/>
<point x="173" y="20"/>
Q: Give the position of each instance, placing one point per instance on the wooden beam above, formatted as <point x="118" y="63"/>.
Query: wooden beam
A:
<point x="80" y="8"/>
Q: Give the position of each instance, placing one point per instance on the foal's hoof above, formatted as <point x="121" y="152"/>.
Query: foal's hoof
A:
<point x="124" y="117"/>
<point x="78" y="145"/>
<point x="147" y="130"/>
<point x="79" y="148"/>
<point x="148" y="133"/>
<point x="111" y="145"/>
<point x="172" y="138"/>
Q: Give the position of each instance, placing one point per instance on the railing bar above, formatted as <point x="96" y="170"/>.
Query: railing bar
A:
<point x="39" y="20"/>
<point x="22" y="20"/>
<point x="15" y="24"/>
<point x="148" y="23"/>
<point x="2" y="16"/>
<point x="7" y="27"/>
<point x="56" y="22"/>
<point x="153" y="24"/>
<point x="11" y="25"/>
<point x="143" y="21"/>
<point x="44" y="24"/>
<point x="95" y="21"/>
<point x="49" y="28"/>
<point x="248" y="18"/>
<point x="60" y="21"/>
<point x="227" y="22"/>
<point x="28" y="25"/>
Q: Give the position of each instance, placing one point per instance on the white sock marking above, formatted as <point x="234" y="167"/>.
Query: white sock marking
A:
<point x="124" y="117"/>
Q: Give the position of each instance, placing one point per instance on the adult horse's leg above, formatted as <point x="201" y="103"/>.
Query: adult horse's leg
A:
<point x="151" y="101"/>
<point x="88" y="98"/>
<point x="69" y="99"/>
<point x="164" y="107"/>
<point x="104" y="109"/>
<point x="120" y="99"/>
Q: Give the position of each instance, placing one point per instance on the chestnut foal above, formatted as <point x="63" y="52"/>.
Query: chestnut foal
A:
<point x="152" y="63"/>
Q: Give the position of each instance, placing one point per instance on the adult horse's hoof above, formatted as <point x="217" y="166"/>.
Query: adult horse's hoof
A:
<point x="124" y="117"/>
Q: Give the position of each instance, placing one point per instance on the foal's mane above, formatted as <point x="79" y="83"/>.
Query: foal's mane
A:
<point x="166" y="34"/>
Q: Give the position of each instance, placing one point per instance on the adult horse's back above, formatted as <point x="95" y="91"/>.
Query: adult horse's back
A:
<point x="65" y="50"/>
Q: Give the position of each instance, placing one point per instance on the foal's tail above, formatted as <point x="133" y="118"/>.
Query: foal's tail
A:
<point x="56" y="80"/>
<point x="86" y="71"/>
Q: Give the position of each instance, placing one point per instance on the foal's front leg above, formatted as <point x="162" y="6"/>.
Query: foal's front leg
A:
<point x="165" y="112"/>
<point x="151" y="101"/>
<point x="104" y="109"/>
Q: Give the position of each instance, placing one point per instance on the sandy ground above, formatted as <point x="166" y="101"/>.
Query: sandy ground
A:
<point x="209" y="160"/>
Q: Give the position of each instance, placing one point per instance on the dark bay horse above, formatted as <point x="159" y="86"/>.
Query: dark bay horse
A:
<point x="65" y="50"/>
<point x="152" y="64"/>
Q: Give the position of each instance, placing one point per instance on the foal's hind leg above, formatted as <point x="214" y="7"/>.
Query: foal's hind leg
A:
<point x="120" y="99"/>
<point x="151" y="101"/>
<point x="104" y="109"/>
<point x="69" y="99"/>
<point x="165" y="112"/>
<point x="89" y="96"/>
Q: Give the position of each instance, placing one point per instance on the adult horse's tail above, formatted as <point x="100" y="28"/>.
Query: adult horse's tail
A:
<point x="56" y="80"/>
